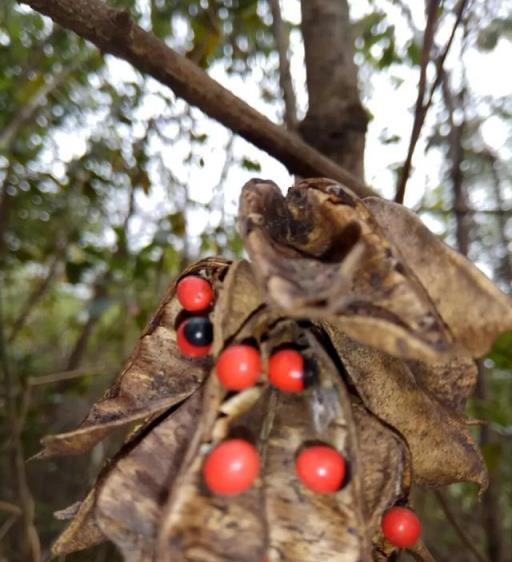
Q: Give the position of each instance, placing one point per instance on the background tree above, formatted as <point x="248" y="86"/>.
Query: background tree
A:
<point x="110" y="184"/>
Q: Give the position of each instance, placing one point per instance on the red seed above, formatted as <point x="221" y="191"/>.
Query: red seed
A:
<point x="194" y="293"/>
<point x="186" y="347"/>
<point x="238" y="366"/>
<point x="286" y="370"/>
<point x="401" y="526"/>
<point x="231" y="467"/>
<point x="321" y="468"/>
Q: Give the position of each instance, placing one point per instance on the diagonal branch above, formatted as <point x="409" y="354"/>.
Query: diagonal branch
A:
<point x="423" y="107"/>
<point x="419" y="112"/>
<point x="114" y="32"/>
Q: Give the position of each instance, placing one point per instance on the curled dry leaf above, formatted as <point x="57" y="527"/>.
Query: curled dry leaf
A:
<point x="155" y="377"/>
<point x="82" y="532"/>
<point x="442" y="449"/>
<point x="319" y="253"/>
<point x="130" y="496"/>
<point x="332" y="276"/>
<point x="474" y="309"/>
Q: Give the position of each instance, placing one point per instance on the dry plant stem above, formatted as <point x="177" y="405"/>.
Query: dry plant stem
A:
<point x="114" y="32"/>
<point x="32" y="547"/>
<point x="285" y="78"/>
<point x="458" y="529"/>
<point x="419" y="112"/>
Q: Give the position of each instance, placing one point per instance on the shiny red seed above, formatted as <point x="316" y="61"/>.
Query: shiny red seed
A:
<point x="321" y="468"/>
<point x="239" y="367"/>
<point x="286" y="370"/>
<point x="194" y="293"/>
<point x="186" y="347"/>
<point x="401" y="526"/>
<point x="231" y="467"/>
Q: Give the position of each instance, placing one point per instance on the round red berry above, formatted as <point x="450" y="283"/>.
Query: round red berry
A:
<point x="195" y="336"/>
<point x="231" y="467"/>
<point x="321" y="468"/>
<point x="401" y="526"/>
<point x="194" y="293"/>
<point x="286" y="370"/>
<point x="238" y="366"/>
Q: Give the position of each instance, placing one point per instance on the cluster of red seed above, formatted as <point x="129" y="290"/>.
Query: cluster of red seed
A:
<point x="232" y="467"/>
<point x="195" y="335"/>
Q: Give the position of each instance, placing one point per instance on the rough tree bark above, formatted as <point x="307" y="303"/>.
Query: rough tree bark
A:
<point x="336" y="121"/>
<point x="114" y="32"/>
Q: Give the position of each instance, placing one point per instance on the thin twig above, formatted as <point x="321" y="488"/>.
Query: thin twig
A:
<point x="6" y="526"/>
<point x="422" y="108"/>
<point x="53" y="378"/>
<point x="441" y="59"/>
<point x="419" y="113"/>
<point x="10" y="508"/>
<point x="458" y="529"/>
<point x="285" y="77"/>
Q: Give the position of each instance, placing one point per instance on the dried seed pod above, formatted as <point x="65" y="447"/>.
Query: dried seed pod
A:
<point x="393" y="373"/>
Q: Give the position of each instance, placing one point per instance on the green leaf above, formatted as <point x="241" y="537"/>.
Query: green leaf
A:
<point x="251" y="165"/>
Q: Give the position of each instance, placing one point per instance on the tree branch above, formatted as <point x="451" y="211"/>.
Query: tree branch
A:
<point x="419" y="112"/>
<point x="285" y="77"/>
<point x="114" y="32"/>
<point x="422" y="110"/>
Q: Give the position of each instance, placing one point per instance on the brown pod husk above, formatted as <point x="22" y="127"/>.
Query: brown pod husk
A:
<point x="391" y="318"/>
<point x="155" y="377"/>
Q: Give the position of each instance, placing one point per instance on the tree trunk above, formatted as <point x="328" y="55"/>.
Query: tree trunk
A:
<point x="336" y="121"/>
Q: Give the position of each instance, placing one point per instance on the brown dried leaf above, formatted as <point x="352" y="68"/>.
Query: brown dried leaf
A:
<point x="131" y="495"/>
<point x="384" y="464"/>
<point x="82" y="532"/>
<point x="442" y="448"/>
<point x="451" y="382"/>
<point x="474" y="309"/>
<point x="155" y="377"/>
<point x="319" y="252"/>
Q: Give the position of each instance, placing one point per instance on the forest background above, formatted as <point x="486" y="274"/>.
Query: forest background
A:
<point x="110" y="184"/>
